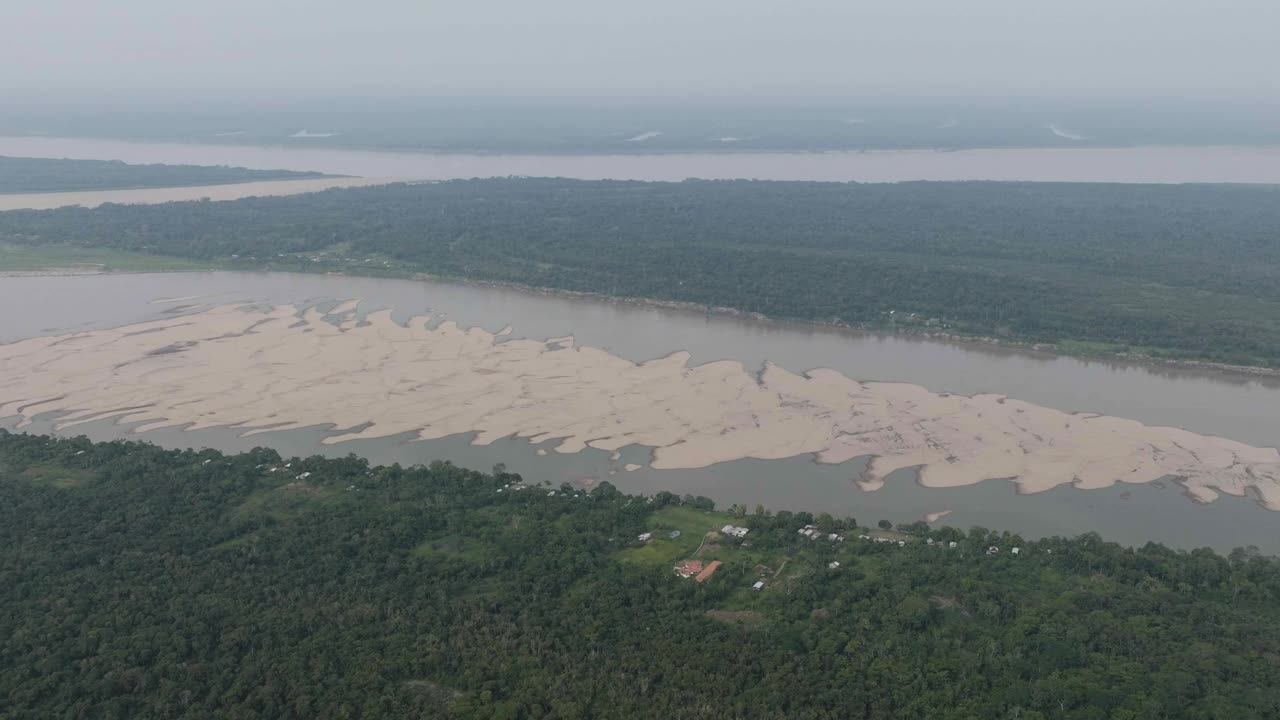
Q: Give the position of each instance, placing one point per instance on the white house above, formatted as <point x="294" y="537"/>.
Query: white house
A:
<point x="735" y="531"/>
<point x="644" y="537"/>
<point x="833" y="564"/>
<point x="758" y="586"/>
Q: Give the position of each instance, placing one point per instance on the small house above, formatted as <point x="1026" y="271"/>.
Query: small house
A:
<point x="759" y="585"/>
<point x="707" y="571"/>
<point x="735" y="531"/>
<point x="953" y="545"/>
<point x="644" y="537"/>
<point x="993" y="550"/>
<point x="833" y="564"/>
<point x="1015" y="551"/>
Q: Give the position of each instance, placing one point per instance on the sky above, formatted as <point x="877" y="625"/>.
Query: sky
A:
<point x="758" y="49"/>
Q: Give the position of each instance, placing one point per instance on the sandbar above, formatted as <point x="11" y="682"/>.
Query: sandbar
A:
<point x="152" y="196"/>
<point x="261" y="369"/>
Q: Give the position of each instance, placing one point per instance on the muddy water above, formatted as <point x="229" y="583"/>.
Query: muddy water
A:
<point x="1120" y="164"/>
<point x="1239" y="408"/>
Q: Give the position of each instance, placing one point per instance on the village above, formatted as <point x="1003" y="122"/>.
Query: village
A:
<point x="699" y="545"/>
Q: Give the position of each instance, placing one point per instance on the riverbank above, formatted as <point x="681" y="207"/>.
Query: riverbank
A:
<point x="1240" y="408"/>
<point x="158" y="195"/>
<point x="16" y="261"/>
<point x="258" y="370"/>
<point x="1072" y="349"/>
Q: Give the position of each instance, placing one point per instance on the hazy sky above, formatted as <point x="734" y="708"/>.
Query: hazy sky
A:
<point x="760" y="48"/>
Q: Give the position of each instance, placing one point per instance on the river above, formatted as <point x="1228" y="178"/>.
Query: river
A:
<point x="1226" y="164"/>
<point x="1240" y="408"/>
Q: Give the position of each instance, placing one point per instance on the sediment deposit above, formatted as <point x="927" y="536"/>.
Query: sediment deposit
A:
<point x="261" y="369"/>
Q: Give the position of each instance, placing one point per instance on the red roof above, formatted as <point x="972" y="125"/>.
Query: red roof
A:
<point x="706" y="573"/>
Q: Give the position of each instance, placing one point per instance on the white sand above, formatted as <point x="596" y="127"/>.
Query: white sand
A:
<point x="246" y="367"/>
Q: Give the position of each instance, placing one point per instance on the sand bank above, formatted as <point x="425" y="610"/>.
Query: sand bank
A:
<point x="262" y="369"/>
<point x="151" y="196"/>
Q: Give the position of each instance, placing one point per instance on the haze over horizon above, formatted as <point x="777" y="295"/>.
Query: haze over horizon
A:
<point x="757" y="51"/>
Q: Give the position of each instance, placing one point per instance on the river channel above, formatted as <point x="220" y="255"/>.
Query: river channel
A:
<point x="1241" y="408"/>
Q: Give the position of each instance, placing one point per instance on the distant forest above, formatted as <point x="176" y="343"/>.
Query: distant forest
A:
<point x="1185" y="272"/>
<point x="137" y="582"/>
<point x="38" y="175"/>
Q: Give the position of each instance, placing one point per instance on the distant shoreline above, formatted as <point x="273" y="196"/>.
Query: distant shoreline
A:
<point x="181" y="193"/>
<point x="1128" y="164"/>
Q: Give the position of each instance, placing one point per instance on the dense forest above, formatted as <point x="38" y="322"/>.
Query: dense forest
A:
<point x="137" y="582"/>
<point x="1189" y="272"/>
<point x="37" y="175"/>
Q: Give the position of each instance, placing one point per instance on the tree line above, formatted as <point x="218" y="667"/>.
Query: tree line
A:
<point x="137" y="582"/>
<point x="1186" y="272"/>
<point x="42" y="175"/>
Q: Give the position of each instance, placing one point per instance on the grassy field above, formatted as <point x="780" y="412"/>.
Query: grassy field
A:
<point x="290" y="500"/>
<point x="56" y="476"/>
<point x="692" y="523"/>
<point x="782" y="568"/>
<point x="14" y="258"/>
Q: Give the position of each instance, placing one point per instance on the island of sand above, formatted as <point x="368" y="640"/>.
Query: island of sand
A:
<point x="270" y="368"/>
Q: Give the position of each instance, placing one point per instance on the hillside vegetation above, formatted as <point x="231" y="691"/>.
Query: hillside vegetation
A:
<point x="137" y="582"/>
<point x="1187" y="272"/>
